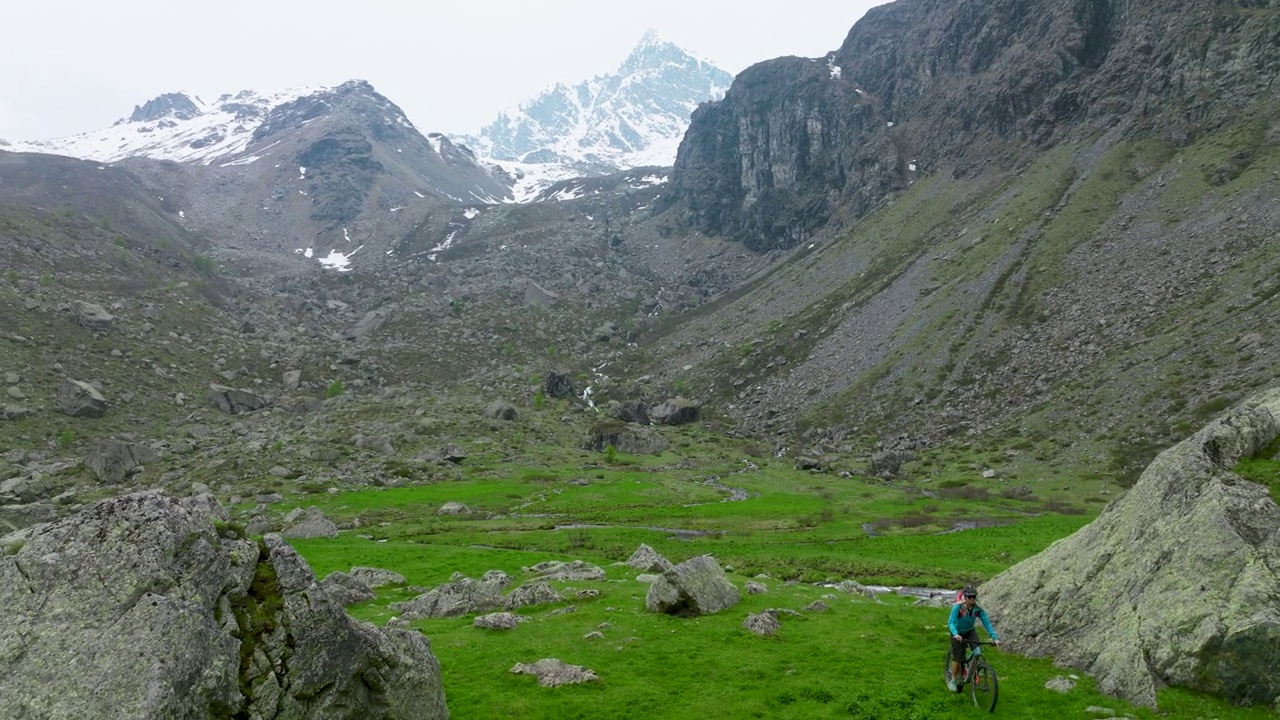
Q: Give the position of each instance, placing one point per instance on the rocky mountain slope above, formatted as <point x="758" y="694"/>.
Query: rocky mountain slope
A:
<point x="996" y="224"/>
<point x="314" y="175"/>
<point x="630" y="118"/>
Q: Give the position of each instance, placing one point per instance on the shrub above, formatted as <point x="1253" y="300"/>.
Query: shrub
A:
<point x="334" y="390"/>
<point x="66" y="438"/>
<point x="203" y="264"/>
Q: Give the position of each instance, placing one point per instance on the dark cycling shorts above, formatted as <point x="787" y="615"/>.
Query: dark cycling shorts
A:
<point x="957" y="646"/>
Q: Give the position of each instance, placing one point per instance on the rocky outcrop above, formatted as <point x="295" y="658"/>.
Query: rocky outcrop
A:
<point x="345" y="589"/>
<point x="141" y="607"/>
<point x="80" y="399"/>
<point x="625" y="438"/>
<point x="1173" y="584"/>
<point x="694" y="587"/>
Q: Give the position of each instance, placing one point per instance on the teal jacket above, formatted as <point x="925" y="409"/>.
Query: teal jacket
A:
<point x="963" y="621"/>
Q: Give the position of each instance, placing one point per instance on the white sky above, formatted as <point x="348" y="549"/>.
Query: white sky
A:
<point x="69" y="66"/>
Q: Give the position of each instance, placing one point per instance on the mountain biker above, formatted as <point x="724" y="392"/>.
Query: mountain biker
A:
<point x="962" y="623"/>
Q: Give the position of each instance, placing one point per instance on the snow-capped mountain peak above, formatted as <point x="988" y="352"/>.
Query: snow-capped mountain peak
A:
<point x="633" y="117"/>
<point x="177" y="126"/>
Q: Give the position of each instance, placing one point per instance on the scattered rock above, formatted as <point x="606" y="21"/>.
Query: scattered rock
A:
<point x="111" y="461"/>
<point x="646" y="559"/>
<point x="93" y="317"/>
<point x="501" y="410"/>
<point x="537" y="593"/>
<point x="498" y="621"/>
<point x="311" y="524"/>
<point x="576" y="570"/>
<point x="755" y="588"/>
<point x="233" y="401"/>
<point x="460" y="596"/>
<point x="80" y="399"/>
<point x="553" y="673"/>
<point x="763" y="623"/>
<point x="346" y="590"/>
<point x="1060" y="684"/>
<point x="376" y="577"/>
<point x="453" y="508"/>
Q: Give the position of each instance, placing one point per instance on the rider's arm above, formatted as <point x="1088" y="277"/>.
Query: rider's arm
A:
<point x="987" y="624"/>
<point x="951" y="621"/>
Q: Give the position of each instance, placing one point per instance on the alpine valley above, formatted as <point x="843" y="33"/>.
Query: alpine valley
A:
<point x="987" y="294"/>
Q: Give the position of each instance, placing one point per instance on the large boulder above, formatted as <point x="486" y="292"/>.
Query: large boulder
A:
<point x="1173" y="584"/>
<point x="93" y="317"/>
<point x="694" y="587"/>
<point x="631" y="439"/>
<point x="676" y="411"/>
<point x="111" y="461"/>
<point x="365" y="327"/>
<point x="309" y="523"/>
<point x="80" y="399"/>
<point x="646" y="559"/>
<point x="559" y="385"/>
<point x="345" y="589"/>
<point x="233" y="401"/>
<point x="459" y="596"/>
<point x="501" y="410"/>
<point x="141" y="607"/>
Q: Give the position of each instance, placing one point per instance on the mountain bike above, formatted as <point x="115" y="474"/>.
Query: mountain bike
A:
<point x="977" y="673"/>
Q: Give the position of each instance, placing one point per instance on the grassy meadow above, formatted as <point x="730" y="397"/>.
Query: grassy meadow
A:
<point x="796" y="532"/>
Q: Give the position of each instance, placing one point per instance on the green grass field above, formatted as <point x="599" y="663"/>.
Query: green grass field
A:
<point x="797" y="533"/>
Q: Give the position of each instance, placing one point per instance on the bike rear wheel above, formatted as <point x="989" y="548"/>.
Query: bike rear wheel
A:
<point x="983" y="685"/>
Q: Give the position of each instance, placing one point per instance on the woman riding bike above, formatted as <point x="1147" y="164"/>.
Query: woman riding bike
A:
<point x="963" y="625"/>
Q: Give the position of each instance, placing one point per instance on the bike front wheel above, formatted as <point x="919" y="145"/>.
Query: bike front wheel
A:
<point x="983" y="685"/>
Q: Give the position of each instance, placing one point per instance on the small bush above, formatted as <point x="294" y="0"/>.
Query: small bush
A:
<point x="66" y="438"/>
<point x="334" y="390"/>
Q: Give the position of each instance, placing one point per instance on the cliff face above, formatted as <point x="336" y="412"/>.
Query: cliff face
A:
<point x="921" y="85"/>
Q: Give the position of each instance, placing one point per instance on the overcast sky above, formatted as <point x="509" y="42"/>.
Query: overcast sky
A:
<point x="68" y="66"/>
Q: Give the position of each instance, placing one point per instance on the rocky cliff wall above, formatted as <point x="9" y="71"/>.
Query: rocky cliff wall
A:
<point x="926" y="85"/>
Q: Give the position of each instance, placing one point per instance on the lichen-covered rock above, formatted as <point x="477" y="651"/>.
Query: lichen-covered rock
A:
<point x="111" y="461"/>
<point x="626" y="438"/>
<point x="376" y="577"/>
<point x="646" y="559"/>
<point x="553" y="673"/>
<point x="233" y="401"/>
<point x="145" y="606"/>
<point x="694" y="587"/>
<point x="676" y="411"/>
<point x="498" y="621"/>
<point x="345" y="589"/>
<point x="762" y="623"/>
<point x="93" y="317"/>
<point x="575" y="570"/>
<point x="1174" y="583"/>
<point x="309" y="523"/>
<point x="80" y="399"/>
<point x="501" y="410"/>
<point x="460" y="596"/>
<point x="537" y="593"/>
